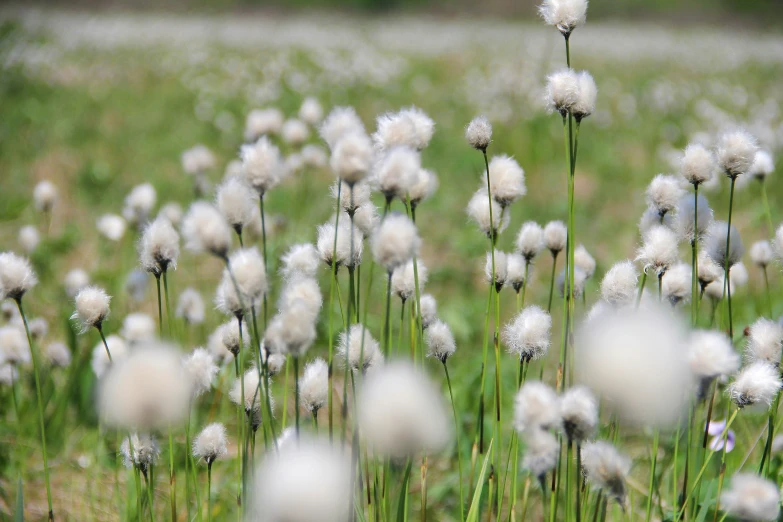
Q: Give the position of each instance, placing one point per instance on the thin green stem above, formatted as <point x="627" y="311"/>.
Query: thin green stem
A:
<point x="726" y="267"/>
<point x="263" y="248"/>
<point x="653" y="465"/>
<point x="694" y="259"/>
<point x="641" y="289"/>
<point x="168" y="302"/>
<point x="766" y="287"/>
<point x="551" y="281"/>
<point x="333" y="270"/>
<point x="160" y="306"/>
<point x="387" y="326"/>
<point x="105" y="344"/>
<point x="209" y="491"/>
<point x="172" y="478"/>
<point x="296" y="394"/>
<point x="457" y="432"/>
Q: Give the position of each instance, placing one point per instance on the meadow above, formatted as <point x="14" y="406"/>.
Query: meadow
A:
<point x="100" y="104"/>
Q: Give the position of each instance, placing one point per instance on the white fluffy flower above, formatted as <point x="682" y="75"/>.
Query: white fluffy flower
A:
<point x="303" y="293"/>
<point x="423" y="126"/>
<point x="479" y="133"/>
<point x="659" y="249"/>
<point x="580" y="280"/>
<point x="235" y="201"/>
<point x="352" y="157"/>
<point x="395" y="241"/>
<point x="171" y="211"/>
<point x="506" y="179"/>
<point x="606" y="468"/>
<point x="138" y="328"/>
<point x="763" y="165"/>
<point x="527" y="335"/>
<point x="13" y="346"/>
<point x="8" y="374"/>
<point x="565" y="15"/>
<point x="314" y="156"/>
<point x="751" y="497"/>
<point x="676" y="283"/>
<point x="579" y="413"/>
<point x="716" y="243"/>
<point x="618" y="286"/>
<point x="305" y="481"/>
<point x="141" y="451"/>
<point x="325" y="244"/>
<point x="756" y="384"/>
<point x="479" y="212"/>
<point x="292" y="330"/>
<point x="403" y="282"/>
<point x="44" y="195"/>
<point x="496" y="269"/>
<point x="585" y="261"/>
<point x="361" y="350"/>
<point x="765" y="341"/>
<point x="74" y="281"/>
<point x="424" y="185"/>
<point x="440" y="340"/>
<point x="690" y="229"/>
<point x="16" y="276"/>
<point x="262" y="165"/>
<point x="396" y="171"/>
<point x="709" y="270"/>
<point x="736" y="151"/>
<point x="100" y="359"/>
<point x="29" y="238"/>
<point x="197" y="160"/>
<point x="428" y="311"/>
<point x="339" y="122"/>
<point x="190" y="306"/>
<point x="400" y="412"/>
<point x="139" y="203"/>
<point x="92" y="307"/>
<point x="262" y="121"/>
<point x="541" y="453"/>
<point x="111" y="226"/>
<point x="231" y="337"/>
<point x="647" y="385"/>
<point x="530" y="240"/>
<point x="254" y="391"/>
<point x="159" y="246"/>
<point x="711" y="355"/>
<point x="663" y="193"/>
<point x="205" y="229"/>
<point x="516" y="271"/>
<point x="535" y="407"/>
<point x="300" y="261"/>
<point x="314" y="386"/>
<point x="149" y="389"/>
<point x="698" y="164"/>
<point x="311" y="111"/>
<point x="211" y="443"/>
<point x="562" y="91"/>
<point x="249" y="273"/>
<point x="201" y="367"/>
<point x="585" y="100"/>
<point x="295" y="132"/>
<point x="394" y="129"/>
<point x="555" y="236"/>
<point x="761" y="253"/>
<point x="58" y="354"/>
<point x="351" y="197"/>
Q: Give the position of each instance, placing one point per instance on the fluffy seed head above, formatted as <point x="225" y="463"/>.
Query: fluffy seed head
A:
<point x="44" y="195"/>
<point x="647" y="385"/>
<point x="16" y="276"/>
<point x="138" y="328"/>
<point x="585" y="100"/>
<point x="201" y="368"/>
<point x="507" y="180"/>
<point x="429" y="310"/>
<point x="736" y="151"/>
<point x="562" y="91"/>
<point x="325" y="244"/>
<point x="396" y="172"/>
<point x="235" y="203"/>
<point x="394" y="129"/>
<point x="423" y="127"/>
<point x="339" y="122"/>
<point x="676" y="283"/>
<point x="555" y="236"/>
<point x="515" y="271"/>
<point x="58" y="354"/>
<point x="211" y="443"/>
<point x="205" y="229"/>
<point x="765" y="340"/>
<point x="314" y="386"/>
<point x="233" y="340"/>
<point x="149" y="389"/>
<point x="763" y="165"/>
<point x="300" y="261"/>
<point x="530" y="240"/>
<point x="262" y="121"/>
<point x="751" y="497"/>
<point x="307" y="481"/>
<point x="358" y="347"/>
<point x="527" y="335"/>
<point x="659" y="249"/>
<point x="395" y="241"/>
<point x="403" y="282"/>
<point x="311" y="111"/>
<point x="171" y="211"/>
<point x="74" y="281"/>
<point x="13" y="346"/>
<point x="29" y="238"/>
<point x="541" y="451"/>
<point x="756" y="384"/>
<point x="401" y="412"/>
<point x="698" y="164"/>
<point x="761" y="253"/>
<point x="715" y="244"/>
<point x="479" y="133"/>
<point x="585" y="261"/>
<point x="606" y="468"/>
<point x="100" y="359"/>
<point x="535" y="408"/>
<point x="292" y="330"/>
<point x="618" y="286"/>
<point x="352" y="157"/>
<point x="314" y="156"/>
<point x="111" y="226"/>
<point x="440" y="340"/>
<point x="92" y="307"/>
<point x="687" y="229"/>
<point x="500" y="267"/>
<point x="711" y="355"/>
<point x="351" y="198"/>
<point x="262" y="165"/>
<point x="579" y="413"/>
<point x="479" y="213"/>
<point x="564" y="15"/>
<point x="663" y="193"/>
<point x="295" y="132"/>
<point x="145" y="451"/>
<point x="139" y="203"/>
<point x="250" y="276"/>
<point x="197" y="160"/>
<point x="159" y="246"/>
<point x="190" y="306"/>
<point x="709" y="270"/>
<point x="254" y="391"/>
<point x="424" y="185"/>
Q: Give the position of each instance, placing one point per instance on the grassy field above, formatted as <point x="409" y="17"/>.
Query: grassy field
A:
<point x="99" y="105"/>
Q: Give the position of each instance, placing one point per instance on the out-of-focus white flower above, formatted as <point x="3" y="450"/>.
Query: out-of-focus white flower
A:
<point x="111" y="226"/>
<point x="44" y="195"/>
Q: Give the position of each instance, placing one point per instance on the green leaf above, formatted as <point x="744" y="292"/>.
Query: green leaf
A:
<point x="19" y="512"/>
<point x="401" y="504"/>
<point x="473" y="513"/>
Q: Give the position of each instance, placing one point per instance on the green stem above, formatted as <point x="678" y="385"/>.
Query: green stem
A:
<point x="578" y="482"/>
<point x="160" y="307"/>
<point x="694" y="259"/>
<point x="332" y="280"/>
<point x="209" y="491"/>
<point x="524" y="284"/>
<point x="387" y="327"/>
<point x="551" y="281"/>
<point x="263" y="248"/>
<point x="457" y="432"/>
<point x="641" y="289"/>
<point x="168" y="303"/>
<point x="484" y="369"/>
<point x="401" y="500"/>
<point x="172" y="478"/>
<point x="498" y="396"/>
<point x="296" y="394"/>
<point x="726" y="267"/>
<point x="150" y="496"/>
<point x="653" y="465"/>
<point x="105" y="344"/>
<point x="766" y="286"/>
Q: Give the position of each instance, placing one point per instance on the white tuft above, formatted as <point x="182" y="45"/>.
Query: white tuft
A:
<point x="530" y="240"/>
<point x="715" y="244"/>
<point x="16" y="276"/>
<point x="145" y="451"/>
<point x="506" y="179"/>
<point x="262" y="165"/>
<point x="618" y="286"/>
<point x="314" y="156"/>
<point x="527" y="335"/>
<point x="138" y="328"/>
<point x="339" y="122"/>
<point x="751" y="497"/>
<point x="197" y="160"/>
<point x="562" y="91"/>
<point x="516" y="271"/>
<point x="260" y="122"/>
<point x="300" y="261"/>
<point x="139" y="203"/>
<point x="45" y="195"/>
<point x="479" y="212"/>
<point x="111" y="226"/>
<point x="579" y="413"/>
<point x="580" y="280"/>
<point x="211" y="443"/>
<point x="190" y="306"/>
<point x="254" y="392"/>
<point x="440" y="341"/>
<point x="687" y="229"/>
<point x="585" y="261"/>
<point x="756" y="384"/>
<point x="29" y="238"/>
<point x="479" y="133"/>
<point x="497" y="272"/>
<point x="676" y="283"/>
<point x="311" y="111"/>
<point x="424" y="185"/>
<point x="358" y="347"/>
<point x="606" y="468"/>
<point x="58" y="354"/>
<point x="201" y="367"/>
<point x="663" y="193"/>
<point x="396" y="171"/>
<point x="541" y="453"/>
<point x="395" y="241"/>
<point x="235" y="201"/>
<point x="100" y="359"/>
<point x="428" y="311"/>
<point x="565" y="15"/>
<point x="314" y="386"/>
<point x="763" y="165"/>
<point x="14" y="348"/>
<point x="403" y="281"/>
<point x="659" y="249"/>
<point x="74" y="281"/>
<point x="765" y="341"/>
<point x="205" y="229"/>
<point x="736" y="151"/>
<point x="325" y="244"/>
<point x="159" y="246"/>
<point x="92" y="307"/>
<point x="536" y="408"/>
<point x="295" y="132"/>
<point x="555" y="236"/>
<point x="585" y="100"/>
<point x="761" y="253"/>
<point x="711" y="356"/>
<point x="698" y="164"/>
<point x="352" y="157"/>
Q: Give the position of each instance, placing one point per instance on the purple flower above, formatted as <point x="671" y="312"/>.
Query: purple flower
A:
<point x="716" y="429"/>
